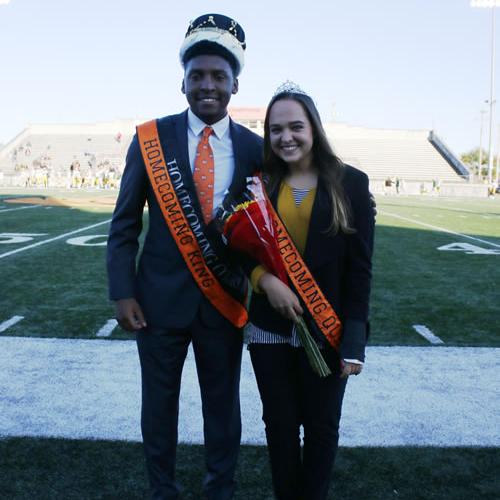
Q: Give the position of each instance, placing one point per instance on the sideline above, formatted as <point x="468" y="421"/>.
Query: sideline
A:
<point x="442" y="229"/>
<point x="19" y="208"/>
<point x="50" y="240"/>
<point x="406" y="396"/>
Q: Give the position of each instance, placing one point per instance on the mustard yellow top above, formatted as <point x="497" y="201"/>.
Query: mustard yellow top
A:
<point x="296" y="219"/>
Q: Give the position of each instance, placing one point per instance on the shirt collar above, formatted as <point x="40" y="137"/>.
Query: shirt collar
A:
<point x="196" y="125"/>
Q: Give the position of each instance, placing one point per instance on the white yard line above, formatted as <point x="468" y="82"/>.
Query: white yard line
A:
<point x="107" y="329"/>
<point x="19" y="208"/>
<point x="437" y="228"/>
<point x="444" y="207"/>
<point x="427" y="334"/>
<point x="10" y="322"/>
<point x="406" y="396"/>
<point x="50" y="240"/>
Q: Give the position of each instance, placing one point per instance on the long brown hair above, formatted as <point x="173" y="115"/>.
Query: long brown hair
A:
<point x="330" y="168"/>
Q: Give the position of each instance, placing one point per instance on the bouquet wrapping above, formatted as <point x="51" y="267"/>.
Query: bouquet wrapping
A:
<point x="248" y="227"/>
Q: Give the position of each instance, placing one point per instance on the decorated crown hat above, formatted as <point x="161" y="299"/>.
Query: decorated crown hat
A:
<point x="216" y="29"/>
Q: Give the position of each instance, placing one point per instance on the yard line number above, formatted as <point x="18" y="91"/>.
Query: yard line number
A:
<point x="468" y="249"/>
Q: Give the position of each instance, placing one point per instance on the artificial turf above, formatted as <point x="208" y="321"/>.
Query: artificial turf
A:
<point x="53" y="469"/>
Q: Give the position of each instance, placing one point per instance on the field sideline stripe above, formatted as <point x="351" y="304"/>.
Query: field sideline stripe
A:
<point x="19" y="208"/>
<point x="423" y="405"/>
<point x="10" y="322"/>
<point x="442" y="229"/>
<point x="427" y="334"/>
<point x="12" y="252"/>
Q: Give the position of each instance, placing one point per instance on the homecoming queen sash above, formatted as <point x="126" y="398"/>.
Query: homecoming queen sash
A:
<point x="211" y="274"/>
<point x="304" y="283"/>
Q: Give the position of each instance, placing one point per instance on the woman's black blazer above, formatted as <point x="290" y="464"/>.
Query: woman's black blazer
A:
<point x="341" y="265"/>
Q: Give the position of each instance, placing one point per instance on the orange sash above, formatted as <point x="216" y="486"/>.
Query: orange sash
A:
<point x="180" y="229"/>
<point x="320" y="309"/>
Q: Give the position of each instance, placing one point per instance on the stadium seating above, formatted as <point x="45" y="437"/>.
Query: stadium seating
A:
<point x="404" y="154"/>
<point x="58" y="146"/>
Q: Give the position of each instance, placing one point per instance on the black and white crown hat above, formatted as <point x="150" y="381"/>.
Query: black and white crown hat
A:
<point x="219" y="29"/>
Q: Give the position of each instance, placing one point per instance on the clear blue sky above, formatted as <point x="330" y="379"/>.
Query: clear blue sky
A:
<point x="388" y="63"/>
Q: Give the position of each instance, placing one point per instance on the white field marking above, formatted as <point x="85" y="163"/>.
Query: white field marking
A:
<point x="445" y="207"/>
<point x="76" y="231"/>
<point x="86" y="241"/>
<point x="9" y="238"/>
<point x="468" y="248"/>
<point x="424" y="405"/>
<point x="427" y="334"/>
<point x="10" y="322"/>
<point x="19" y="208"/>
<point x="106" y="330"/>
<point x="442" y="229"/>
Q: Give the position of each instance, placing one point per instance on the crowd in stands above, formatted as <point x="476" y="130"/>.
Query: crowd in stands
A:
<point x="103" y="176"/>
<point x="40" y="171"/>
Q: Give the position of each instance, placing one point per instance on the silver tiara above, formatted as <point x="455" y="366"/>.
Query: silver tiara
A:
<point x="289" y="87"/>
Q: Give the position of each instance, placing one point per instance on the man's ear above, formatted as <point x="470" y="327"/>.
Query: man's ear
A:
<point x="183" y="90"/>
<point x="235" y="86"/>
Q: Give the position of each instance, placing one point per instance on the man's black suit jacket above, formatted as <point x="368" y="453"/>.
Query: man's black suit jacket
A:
<point x="162" y="283"/>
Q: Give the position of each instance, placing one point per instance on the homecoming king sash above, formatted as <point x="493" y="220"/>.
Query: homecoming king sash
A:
<point x="304" y="283"/>
<point x="211" y="275"/>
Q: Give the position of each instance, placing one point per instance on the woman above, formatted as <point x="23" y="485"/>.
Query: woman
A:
<point x="325" y="206"/>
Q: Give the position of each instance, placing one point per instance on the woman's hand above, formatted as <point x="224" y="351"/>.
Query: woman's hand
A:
<point x="347" y="369"/>
<point x="280" y="296"/>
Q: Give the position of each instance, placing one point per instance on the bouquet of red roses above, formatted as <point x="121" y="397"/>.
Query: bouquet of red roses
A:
<point x="248" y="227"/>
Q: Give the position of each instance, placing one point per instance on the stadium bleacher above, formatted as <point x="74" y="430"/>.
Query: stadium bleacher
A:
<point x="406" y="155"/>
<point x="56" y="147"/>
<point x="380" y="153"/>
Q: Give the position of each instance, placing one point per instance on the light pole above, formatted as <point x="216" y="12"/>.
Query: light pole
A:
<point x="498" y="151"/>
<point x="483" y="111"/>
<point x="498" y="160"/>
<point x="490" y="4"/>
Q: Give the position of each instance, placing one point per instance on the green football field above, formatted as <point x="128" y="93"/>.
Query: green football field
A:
<point x="436" y="267"/>
<point x="436" y="264"/>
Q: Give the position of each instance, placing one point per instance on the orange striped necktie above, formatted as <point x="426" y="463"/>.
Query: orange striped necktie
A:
<point x="203" y="174"/>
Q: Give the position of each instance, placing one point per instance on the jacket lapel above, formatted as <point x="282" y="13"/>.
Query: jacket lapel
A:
<point x="317" y="225"/>
<point x="241" y="155"/>
<point x="181" y="138"/>
<point x="321" y="247"/>
<point x="174" y="140"/>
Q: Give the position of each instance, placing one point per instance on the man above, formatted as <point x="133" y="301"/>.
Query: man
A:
<point x="185" y="289"/>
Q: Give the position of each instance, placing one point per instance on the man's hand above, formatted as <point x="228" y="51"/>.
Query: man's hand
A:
<point x="129" y="315"/>
<point x="280" y="296"/>
<point x="347" y="369"/>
